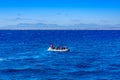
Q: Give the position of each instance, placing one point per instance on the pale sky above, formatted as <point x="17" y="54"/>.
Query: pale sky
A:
<point x="63" y="12"/>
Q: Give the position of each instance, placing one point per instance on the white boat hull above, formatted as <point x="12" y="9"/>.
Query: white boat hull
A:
<point x="58" y="50"/>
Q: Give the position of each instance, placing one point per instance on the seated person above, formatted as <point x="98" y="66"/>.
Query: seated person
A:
<point x="64" y="47"/>
<point x="52" y="46"/>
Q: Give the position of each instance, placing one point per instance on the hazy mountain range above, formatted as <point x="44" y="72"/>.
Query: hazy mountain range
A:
<point x="43" y="26"/>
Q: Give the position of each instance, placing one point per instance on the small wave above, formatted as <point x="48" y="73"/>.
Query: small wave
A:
<point x="76" y="52"/>
<point x="96" y="72"/>
<point x="83" y="65"/>
<point x="31" y="70"/>
<point x="17" y="70"/>
<point x="114" y="67"/>
<point x="2" y="59"/>
<point x="23" y="58"/>
<point x="18" y="58"/>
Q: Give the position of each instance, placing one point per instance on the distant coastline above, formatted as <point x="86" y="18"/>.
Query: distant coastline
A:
<point x="43" y="26"/>
<point x="53" y="29"/>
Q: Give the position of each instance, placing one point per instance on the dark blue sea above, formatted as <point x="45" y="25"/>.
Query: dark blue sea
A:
<point x="93" y="55"/>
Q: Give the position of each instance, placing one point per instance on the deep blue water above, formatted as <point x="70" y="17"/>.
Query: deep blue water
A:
<point x="94" y="55"/>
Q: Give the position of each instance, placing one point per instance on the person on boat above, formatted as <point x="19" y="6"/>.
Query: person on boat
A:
<point x="64" y="47"/>
<point x="52" y="46"/>
<point x="61" y="48"/>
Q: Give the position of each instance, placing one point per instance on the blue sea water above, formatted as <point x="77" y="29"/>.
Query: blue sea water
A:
<point x="93" y="55"/>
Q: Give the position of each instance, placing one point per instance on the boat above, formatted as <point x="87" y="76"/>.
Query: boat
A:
<point x="58" y="50"/>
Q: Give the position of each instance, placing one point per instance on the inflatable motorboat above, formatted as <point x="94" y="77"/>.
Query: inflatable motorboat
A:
<point x="58" y="50"/>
